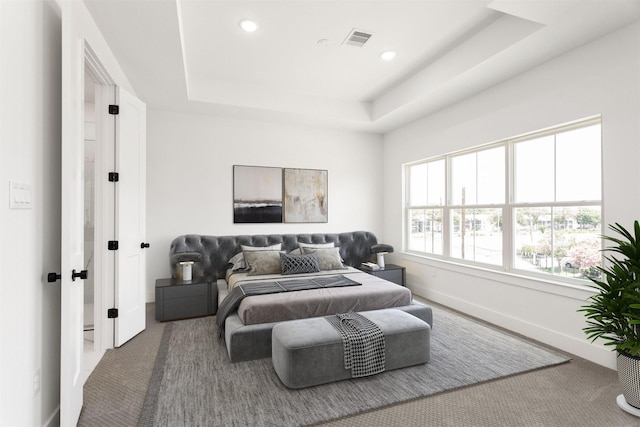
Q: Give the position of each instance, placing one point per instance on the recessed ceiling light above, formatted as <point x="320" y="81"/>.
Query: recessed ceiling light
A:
<point x="249" y="26"/>
<point x="387" y="55"/>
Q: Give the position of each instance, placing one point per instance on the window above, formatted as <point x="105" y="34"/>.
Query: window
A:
<point x="427" y="195"/>
<point x="531" y="204"/>
<point x="477" y="187"/>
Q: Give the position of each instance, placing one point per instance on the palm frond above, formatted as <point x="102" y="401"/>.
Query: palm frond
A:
<point x="613" y="313"/>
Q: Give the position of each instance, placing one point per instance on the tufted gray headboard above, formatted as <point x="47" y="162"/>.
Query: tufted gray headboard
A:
<point x="355" y="248"/>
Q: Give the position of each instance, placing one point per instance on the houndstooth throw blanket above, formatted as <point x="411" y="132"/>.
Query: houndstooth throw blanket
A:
<point x="363" y="342"/>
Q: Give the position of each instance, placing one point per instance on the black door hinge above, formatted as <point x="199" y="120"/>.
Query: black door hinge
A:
<point x="112" y="313"/>
<point x="114" y="109"/>
<point x="112" y="245"/>
<point x="114" y="177"/>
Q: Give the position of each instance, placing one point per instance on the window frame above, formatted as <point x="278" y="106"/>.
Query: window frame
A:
<point x="508" y="207"/>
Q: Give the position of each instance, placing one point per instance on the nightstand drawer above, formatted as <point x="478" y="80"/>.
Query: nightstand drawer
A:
<point x="180" y="308"/>
<point x="177" y="300"/>
<point x="394" y="276"/>
<point x="186" y="291"/>
<point x="391" y="272"/>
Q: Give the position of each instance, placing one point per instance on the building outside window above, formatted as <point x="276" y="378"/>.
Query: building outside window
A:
<point x="530" y="204"/>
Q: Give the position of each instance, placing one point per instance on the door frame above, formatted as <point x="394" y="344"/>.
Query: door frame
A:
<point x="104" y="260"/>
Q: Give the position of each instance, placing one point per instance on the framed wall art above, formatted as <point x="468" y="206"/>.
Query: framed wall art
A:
<point x="257" y="194"/>
<point x="305" y="195"/>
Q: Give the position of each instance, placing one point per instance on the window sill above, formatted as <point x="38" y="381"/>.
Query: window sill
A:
<point x="541" y="284"/>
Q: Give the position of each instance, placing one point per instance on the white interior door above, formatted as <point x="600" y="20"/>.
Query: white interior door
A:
<point x="130" y="217"/>
<point x="72" y="259"/>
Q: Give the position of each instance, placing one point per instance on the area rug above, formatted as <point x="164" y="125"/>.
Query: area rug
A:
<point x="194" y="384"/>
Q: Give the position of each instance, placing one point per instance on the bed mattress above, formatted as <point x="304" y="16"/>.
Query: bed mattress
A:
<point x="373" y="294"/>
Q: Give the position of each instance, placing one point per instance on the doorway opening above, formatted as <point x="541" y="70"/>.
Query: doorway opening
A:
<point x="98" y="217"/>
<point x="92" y="350"/>
<point x="109" y="146"/>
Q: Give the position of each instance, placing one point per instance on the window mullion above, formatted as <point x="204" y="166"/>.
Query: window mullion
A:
<point x="446" y="213"/>
<point x="508" y="220"/>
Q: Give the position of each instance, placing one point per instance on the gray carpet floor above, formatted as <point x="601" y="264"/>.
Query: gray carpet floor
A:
<point x="578" y="393"/>
<point x="198" y="386"/>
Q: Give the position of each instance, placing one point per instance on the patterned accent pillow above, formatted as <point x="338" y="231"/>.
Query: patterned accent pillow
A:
<point x="262" y="262"/>
<point x="328" y="258"/>
<point x="298" y="264"/>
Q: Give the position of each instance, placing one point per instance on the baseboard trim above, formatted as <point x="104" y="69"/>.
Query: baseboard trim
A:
<point x="578" y="347"/>
<point x="54" y="418"/>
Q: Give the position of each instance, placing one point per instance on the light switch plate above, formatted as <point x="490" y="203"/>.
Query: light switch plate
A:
<point x="19" y="195"/>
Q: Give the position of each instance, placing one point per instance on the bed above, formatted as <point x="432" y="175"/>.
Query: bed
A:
<point x="306" y="259"/>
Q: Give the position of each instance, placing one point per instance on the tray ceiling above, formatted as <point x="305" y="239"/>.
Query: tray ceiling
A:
<point x="192" y="54"/>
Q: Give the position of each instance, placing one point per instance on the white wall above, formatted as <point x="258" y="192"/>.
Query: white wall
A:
<point x="30" y="153"/>
<point x="599" y="78"/>
<point x="190" y="160"/>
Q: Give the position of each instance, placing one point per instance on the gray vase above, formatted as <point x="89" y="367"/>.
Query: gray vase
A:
<point x="629" y="378"/>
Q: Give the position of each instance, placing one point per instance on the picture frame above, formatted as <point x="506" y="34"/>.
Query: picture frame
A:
<point x="257" y="194"/>
<point x="306" y="195"/>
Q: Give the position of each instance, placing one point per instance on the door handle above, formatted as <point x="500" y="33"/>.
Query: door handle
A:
<point x="82" y="275"/>
<point x="144" y="245"/>
<point x="52" y="277"/>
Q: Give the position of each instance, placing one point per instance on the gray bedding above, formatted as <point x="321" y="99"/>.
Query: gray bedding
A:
<point x="255" y="288"/>
<point x="375" y="293"/>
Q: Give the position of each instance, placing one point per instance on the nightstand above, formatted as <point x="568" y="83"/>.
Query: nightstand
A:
<point x="180" y="300"/>
<point x="391" y="272"/>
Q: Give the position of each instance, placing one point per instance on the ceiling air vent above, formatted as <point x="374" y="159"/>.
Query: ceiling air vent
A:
<point x="357" y="38"/>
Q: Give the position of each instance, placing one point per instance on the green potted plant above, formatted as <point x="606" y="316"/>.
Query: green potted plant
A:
<point x="613" y="313"/>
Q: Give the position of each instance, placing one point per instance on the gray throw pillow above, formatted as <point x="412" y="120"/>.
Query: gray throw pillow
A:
<point x="262" y="262"/>
<point x="298" y="264"/>
<point x="328" y="258"/>
<point x="237" y="261"/>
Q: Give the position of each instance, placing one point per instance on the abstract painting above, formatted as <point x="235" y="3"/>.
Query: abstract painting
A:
<point x="305" y="195"/>
<point x="257" y="194"/>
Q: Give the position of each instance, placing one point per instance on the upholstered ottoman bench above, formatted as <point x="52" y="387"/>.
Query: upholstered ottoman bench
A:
<point x="310" y="352"/>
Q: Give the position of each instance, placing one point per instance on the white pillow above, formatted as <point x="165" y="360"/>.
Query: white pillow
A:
<point x="316" y="245"/>
<point x="276" y="247"/>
